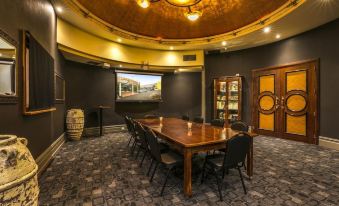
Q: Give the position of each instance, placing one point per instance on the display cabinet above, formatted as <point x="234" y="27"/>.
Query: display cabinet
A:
<point x="228" y="98"/>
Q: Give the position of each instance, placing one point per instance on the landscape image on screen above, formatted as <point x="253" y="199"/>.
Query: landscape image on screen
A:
<point x="138" y="87"/>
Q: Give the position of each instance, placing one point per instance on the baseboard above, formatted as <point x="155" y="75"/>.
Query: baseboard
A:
<point x="95" y="131"/>
<point x="45" y="158"/>
<point x="329" y="142"/>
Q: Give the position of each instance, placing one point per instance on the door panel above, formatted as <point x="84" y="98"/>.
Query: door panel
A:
<point x="285" y="102"/>
<point x="298" y="104"/>
<point x="266" y="102"/>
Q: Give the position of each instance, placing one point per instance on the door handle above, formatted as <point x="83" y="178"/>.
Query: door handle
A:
<point x="277" y="102"/>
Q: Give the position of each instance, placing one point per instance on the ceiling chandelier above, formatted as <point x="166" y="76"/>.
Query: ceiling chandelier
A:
<point x="190" y="15"/>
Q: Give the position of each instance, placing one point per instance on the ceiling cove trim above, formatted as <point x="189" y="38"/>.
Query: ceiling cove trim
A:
<point x="284" y="10"/>
<point x="131" y="65"/>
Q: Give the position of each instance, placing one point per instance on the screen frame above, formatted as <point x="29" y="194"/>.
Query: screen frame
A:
<point x="136" y="73"/>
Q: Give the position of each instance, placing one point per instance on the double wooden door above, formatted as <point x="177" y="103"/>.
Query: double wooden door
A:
<point x="285" y="102"/>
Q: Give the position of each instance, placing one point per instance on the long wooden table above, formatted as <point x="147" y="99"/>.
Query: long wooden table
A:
<point x="201" y="138"/>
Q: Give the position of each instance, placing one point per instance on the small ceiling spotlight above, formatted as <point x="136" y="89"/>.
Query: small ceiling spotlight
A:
<point x="143" y="3"/>
<point x="120" y="65"/>
<point x="224" y="43"/>
<point x="171" y="48"/>
<point x="119" y="40"/>
<point x="59" y="9"/>
<point x="267" y="29"/>
<point x="278" y="36"/>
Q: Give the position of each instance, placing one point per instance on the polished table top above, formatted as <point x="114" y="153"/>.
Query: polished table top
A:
<point x="201" y="134"/>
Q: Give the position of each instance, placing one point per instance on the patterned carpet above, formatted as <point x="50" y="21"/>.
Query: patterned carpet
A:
<point x="101" y="171"/>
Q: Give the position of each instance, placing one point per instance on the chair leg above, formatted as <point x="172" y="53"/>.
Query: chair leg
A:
<point x="155" y="168"/>
<point x="203" y="172"/>
<point x="150" y="167"/>
<point x="136" y="156"/>
<point x="219" y="184"/>
<point x="164" y="185"/>
<point x="242" y="180"/>
<point x="143" y="158"/>
<point x="133" y="147"/>
<point x="129" y="141"/>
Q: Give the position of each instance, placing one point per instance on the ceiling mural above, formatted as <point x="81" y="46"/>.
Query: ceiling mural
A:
<point x="165" y="21"/>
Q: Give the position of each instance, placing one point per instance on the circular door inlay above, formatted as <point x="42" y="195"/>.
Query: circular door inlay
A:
<point x="296" y="103"/>
<point x="266" y="103"/>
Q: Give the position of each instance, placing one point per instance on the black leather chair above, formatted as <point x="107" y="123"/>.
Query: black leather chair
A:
<point x="144" y="143"/>
<point x="129" y="129"/>
<point x="234" y="157"/>
<point x="185" y="117"/>
<point x="198" y="120"/>
<point x="218" y="122"/>
<point x="169" y="159"/>
<point x="239" y="126"/>
<point x="134" y="135"/>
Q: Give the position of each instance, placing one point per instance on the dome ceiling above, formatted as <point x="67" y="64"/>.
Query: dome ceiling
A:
<point x="164" y="21"/>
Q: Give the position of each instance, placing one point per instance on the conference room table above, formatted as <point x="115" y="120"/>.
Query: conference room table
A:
<point x="200" y="138"/>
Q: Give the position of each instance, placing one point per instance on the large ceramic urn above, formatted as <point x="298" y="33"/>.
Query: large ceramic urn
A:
<point x="18" y="173"/>
<point x="75" y="123"/>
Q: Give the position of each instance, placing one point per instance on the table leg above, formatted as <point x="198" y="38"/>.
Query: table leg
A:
<point x="250" y="160"/>
<point x="100" y="121"/>
<point x="188" y="172"/>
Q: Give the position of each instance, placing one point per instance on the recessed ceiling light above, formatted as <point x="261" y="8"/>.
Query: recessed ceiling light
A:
<point x="171" y="48"/>
<point x="277" y="36"/>
<point x="267" y="29"/>
<point x="59" y="9"/>
<point x="119" y="40"/>
<point x="120" y="65"/>
<point x="224" y="43"/>
<point x="0" y="55"/>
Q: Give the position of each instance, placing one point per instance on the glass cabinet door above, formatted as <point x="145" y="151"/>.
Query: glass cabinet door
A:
<point x="233" y="101"/>
<point x="221" y="99"/>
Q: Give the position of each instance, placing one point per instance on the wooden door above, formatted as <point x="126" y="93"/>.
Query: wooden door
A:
<point x="266" y="102"/>
<point x="285" y="102"/>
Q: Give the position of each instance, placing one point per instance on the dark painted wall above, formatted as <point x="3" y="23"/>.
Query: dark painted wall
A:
<point x="89" y="86"/>
<point x="322" y="43"/>
<point x="38" y="17"/>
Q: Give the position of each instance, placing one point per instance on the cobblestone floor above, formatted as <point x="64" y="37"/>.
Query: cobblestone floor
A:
<point x="101" y="171"/>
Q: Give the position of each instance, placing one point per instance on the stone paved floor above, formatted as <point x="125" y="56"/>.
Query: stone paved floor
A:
<point x="101" y="171"/>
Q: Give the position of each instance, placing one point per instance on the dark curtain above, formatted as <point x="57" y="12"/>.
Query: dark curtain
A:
<point x="41" y="76"/>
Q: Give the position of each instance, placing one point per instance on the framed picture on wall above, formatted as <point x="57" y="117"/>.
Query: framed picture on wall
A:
<point x="38" y="77"/>
<point x="59" y="89"/>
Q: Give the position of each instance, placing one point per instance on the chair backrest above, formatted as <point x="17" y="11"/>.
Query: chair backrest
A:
<point x="198" y="120"/>
<point x="239" y="126"/>
<point x="218" y="122"/>
<point x="185" y="117"/>
<point x="128" y="124"/>
<point x="133" y="128"/>
<point x="153" y="144"/>
<point x="236" y="150"/>
<point x="141" y="134"/>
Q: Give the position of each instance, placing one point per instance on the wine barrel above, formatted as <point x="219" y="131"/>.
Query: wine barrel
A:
<point x="18" y="173"/>
<point x="75" y="123"/>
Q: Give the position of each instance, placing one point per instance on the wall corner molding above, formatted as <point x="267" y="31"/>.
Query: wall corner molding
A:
<point x="46" y="157"/>
<point x="329" y="142"/>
